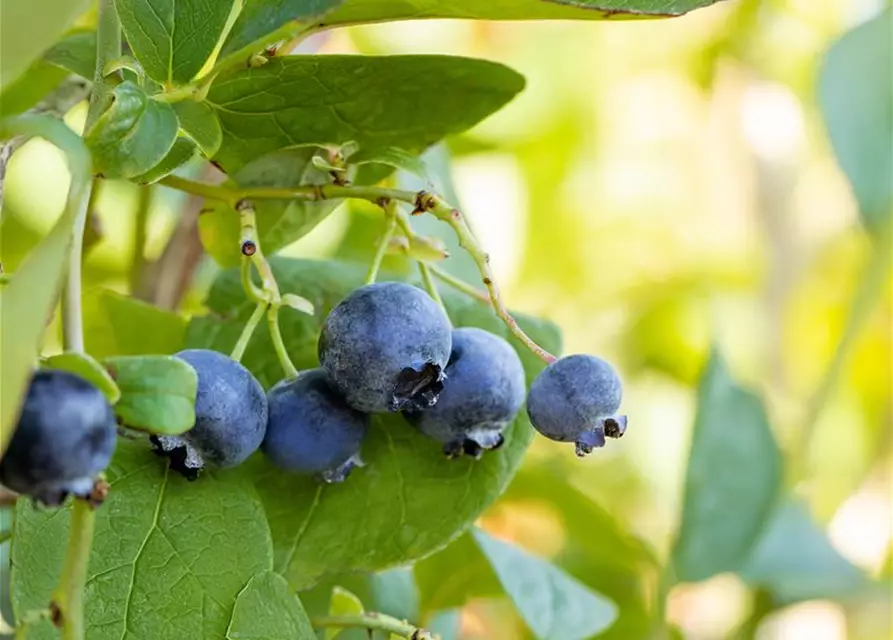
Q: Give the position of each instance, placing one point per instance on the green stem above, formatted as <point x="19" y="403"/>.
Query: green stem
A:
<point x="251" y="290"/>
<point x="422" y="201"/>
<point x="240" y="57"/>
<point x="459" y="285"/>
<point x="108" y="48"/>
<point x="281" y="352"/>
<point x="141" y="220"/>
<point x="430" y="285"/>
<point x="248" y="331"/>
<point x="68" y="598"/>
<point x="375" y="622"/>
<point x="390" y="227"/>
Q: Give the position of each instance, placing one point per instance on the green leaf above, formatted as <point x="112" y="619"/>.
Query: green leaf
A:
<point x="40" y="79"/>
<point x="470" y="576"/>
<point x="172" y="39"/>
<point x="357" y="11"/>
<point x="553" y="604"/>
<point x="199" y="122"/>
<point x="795" y="561"/>
<point x="157" y="393"/>
<point x="26" y="37"/>
<point x="76" y="52"/>
<point x="268" y="610"/>
<point x="858" y="112"/>
<point x="733" y="478"/>
<point x="394" y="593"/>
<point x="414" y="500"/>
<point x="133" y="135"/>
<point x="182" y="152"/>
<point x="28" y="301"/>
<point x="115" y="325"/>
<point x="343" y="603"/>
<point x="260" y="18"/>
<point x="393" y="157"/>
<point x="279" y="222"/>
<point x="169" y="559"/>
<point x="325" y="100"/>
<point x="87" y="368"/>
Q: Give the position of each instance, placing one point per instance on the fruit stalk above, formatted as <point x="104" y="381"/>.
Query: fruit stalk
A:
<point x="430" y="285"/>
<point x="247" y="331"/>
<point x="390" y="226"/>
<point x="68" y="598"/>
<point x="376" y="622"/>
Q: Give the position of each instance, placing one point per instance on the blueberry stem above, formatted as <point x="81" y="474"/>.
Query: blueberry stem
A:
<point x="422" y="201"/>
<point x="68" y="597"/>
<point x="375" y="622"/>
<point x="251" y="290"/>
<point x="287" y="365"/>
<point x="430" y="285"/>
<point x="248" y="331"/>
<point x="459" y="285"/>
<point x="390" y="227"/>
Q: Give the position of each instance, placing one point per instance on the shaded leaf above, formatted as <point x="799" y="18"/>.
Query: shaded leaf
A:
<point x="87" y="368"/>
<point x="396" y="158"/>
<point x="401" y="101"/>
<point x="795" y="561"/>
<point x="414" y="499"/>
<point x="446" y="624"/>
<point x="25" y="38"/>
<point x="116" y="325"/>
<point x="172" y="39"/>
<point x="157" y="393"/>
<point x="553" y="604"/>
<point x="198" y="121"/>
<point x="76" y="52"/>
<point x="268" y="610"/>
<point x="469" y="576"/>
<point x="182" y="152"/>
<point x="39" y="80"/>
<point x="354" y="11"/>
<point x="169" y="556"/>
<point x="279" y="222"/>
<point x="858" y="112"/>
<point x="733" y="477"/>
<point x="394" y="593"/>
<point x="133" y="135"/>
<point x="259" y="18"/>
<point x="343" y="603"/>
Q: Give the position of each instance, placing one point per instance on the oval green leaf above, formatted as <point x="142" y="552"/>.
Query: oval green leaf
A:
<point x="343" y="603"/>
<point x="267" y="609"/>
<point x="553" y="604"/>
<point x="170" y="557"/>
<point x="172" y="39"/>
<point x="76" y="52"/>
<point x="732" y="481"/>
<point x="199" y="122"/>
<point x="133" y="135"/>
<point x="415" y="501"/>
<point x="157" y="393"/>
<point x="114" y="325"/>
<point x="182" y="152"/>
<point x="260" y="18"/>
<point x="87" y="368"/>
<point x="325" y="100"/>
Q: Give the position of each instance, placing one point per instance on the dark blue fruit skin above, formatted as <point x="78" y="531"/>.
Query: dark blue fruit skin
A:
<point x="575" y="399"/>
<point x="311" y="430"/>
<point x="230" y="409"/>
<point x="384" y="347"/>
<point x="65" y="437"/>
<point x="483" y="391"/>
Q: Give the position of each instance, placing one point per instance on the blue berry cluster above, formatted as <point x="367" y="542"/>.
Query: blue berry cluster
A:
<point x="387" y="347"/>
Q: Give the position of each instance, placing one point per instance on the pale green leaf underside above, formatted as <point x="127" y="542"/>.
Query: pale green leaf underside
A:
<point x="409" y="102"/>
<point x="169" y="559"/>
<point x="409" y="501"/>
<point x="87" y="368"/>
<point x="733" y="477"/>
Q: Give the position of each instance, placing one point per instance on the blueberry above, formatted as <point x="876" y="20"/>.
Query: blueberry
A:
<point x="311" y="429"/>
<point x="384" y="347"/>
<point x="230" y="416"/>
<point x="484" y="389"/>
<point x="575" y="399"/>
<point x="65" y="437"/>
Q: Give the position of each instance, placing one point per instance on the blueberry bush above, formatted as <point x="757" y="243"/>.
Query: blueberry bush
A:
<point x="307" y="451"/>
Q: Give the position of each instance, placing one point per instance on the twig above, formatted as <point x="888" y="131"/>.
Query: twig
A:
<point x="140" y="222"/>
<point x="68" y="597"/>
<point x="375" y="622"/>
<point x="248" y="331"/>
<point x="459" y="285"/>
<point x="390" y="227"/>
<point x="430" y="285"/>
<point x="422" y="201"/>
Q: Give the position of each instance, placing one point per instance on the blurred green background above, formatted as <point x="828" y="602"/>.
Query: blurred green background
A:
<point x="659" y="187"/>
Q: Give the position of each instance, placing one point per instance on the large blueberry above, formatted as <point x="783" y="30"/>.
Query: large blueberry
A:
<point x="575" y="399"/>
<point x="65" y="437"/>
<point x="384" y="347"/>
<point x="311" y="429"/>
<point x="483" y="390"/>
<point x="230" y="415"/>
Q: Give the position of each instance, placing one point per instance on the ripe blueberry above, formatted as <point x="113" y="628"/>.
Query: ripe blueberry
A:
<point x="65" y="437"/>
<point x="484" y="389"/>
<point x="230" y="416"/>
<point x="312" y="430"/>
<point x="384" y="347"/>
<point x="575" y="399"/>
